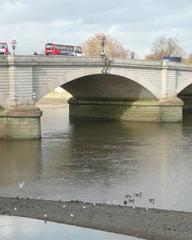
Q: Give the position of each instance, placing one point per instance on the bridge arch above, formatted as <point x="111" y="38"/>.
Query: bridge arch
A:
<point x="106" y="86"/>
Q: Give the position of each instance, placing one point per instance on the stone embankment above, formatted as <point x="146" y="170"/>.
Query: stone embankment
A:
<point x="149" y="224"/>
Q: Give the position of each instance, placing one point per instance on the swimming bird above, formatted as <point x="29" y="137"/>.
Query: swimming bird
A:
<point x="132" y="200"/>
<point x="128" y="196"/>
<point x="71" y="215"/>
<point x="138" y="194"/>
<point x="152" y="201"/>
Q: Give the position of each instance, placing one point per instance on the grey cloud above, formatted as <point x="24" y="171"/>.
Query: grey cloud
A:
<point x="135" y="23"/>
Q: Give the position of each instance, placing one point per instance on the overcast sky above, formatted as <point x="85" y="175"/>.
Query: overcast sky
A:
<point x="135" y="23"/>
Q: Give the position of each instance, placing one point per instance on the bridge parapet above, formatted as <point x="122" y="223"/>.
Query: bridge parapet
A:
<point x="65" y="60"/>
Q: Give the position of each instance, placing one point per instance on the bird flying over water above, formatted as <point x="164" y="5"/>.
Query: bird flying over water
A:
<point x="21" y="184"/>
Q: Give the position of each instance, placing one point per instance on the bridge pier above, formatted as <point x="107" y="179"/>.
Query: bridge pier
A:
<point x="20" y="123"/>
<point x="166" y="110"/>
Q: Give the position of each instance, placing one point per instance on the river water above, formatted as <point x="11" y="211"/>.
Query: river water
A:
<point x="18" y="228"/>
<point x="101" y="161"/>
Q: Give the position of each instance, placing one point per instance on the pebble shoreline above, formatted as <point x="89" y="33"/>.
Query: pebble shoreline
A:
<point x="152" y="224"/>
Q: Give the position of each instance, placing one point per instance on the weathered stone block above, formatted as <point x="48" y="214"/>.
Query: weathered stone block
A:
<point x="20" y="124"/>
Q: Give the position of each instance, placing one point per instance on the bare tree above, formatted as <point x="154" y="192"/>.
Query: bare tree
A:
<point x="113" y="48"/>
<point x="165" y="47"/>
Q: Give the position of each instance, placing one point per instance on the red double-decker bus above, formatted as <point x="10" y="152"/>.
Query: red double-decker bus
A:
<point x="4" y="48"/>
<point x="66" y="50"/>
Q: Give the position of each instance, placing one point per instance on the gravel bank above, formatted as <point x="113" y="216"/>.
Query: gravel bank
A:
<point x="148" y="224"/>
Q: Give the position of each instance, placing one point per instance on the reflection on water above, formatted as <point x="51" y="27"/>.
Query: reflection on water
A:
<point x="19" y="159"/>
<point x="102" y="161"/>
<point x="17" y="228"/>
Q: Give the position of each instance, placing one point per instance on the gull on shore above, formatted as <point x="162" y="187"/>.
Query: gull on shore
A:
<point x="45" y="217"/>
<point x="20" y="186"/>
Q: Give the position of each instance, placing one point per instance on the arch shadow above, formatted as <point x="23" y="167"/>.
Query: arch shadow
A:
<point x="107" y="87"/>
<point x="186" y="96"/>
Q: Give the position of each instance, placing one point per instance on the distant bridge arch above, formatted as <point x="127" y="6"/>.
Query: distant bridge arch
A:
<point x="185" y="88"/>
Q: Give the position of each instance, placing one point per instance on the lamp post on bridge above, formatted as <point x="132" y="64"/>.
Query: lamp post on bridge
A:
<point x="14" y="45"/>
<point x="103" y="39"/>
<point x="105" y="59"/>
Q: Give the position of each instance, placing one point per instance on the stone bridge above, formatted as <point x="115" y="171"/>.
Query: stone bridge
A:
<point x="130" y="90"/>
